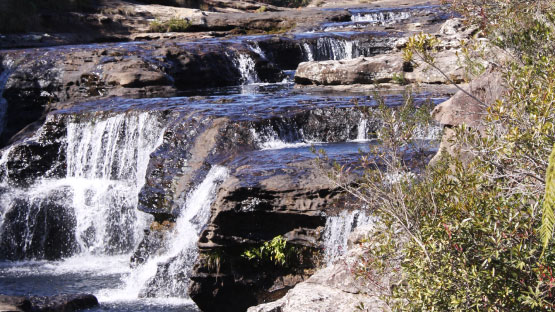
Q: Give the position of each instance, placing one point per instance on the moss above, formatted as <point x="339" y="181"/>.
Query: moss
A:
<point x="172" y="25"/>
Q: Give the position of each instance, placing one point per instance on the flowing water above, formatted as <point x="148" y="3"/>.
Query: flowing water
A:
<point x="106" y="156"/>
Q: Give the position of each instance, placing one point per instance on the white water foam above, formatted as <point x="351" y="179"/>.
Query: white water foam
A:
<point x="8" y="68"/>
<point x="269" y="140"/>
<point x="181" y="250"/>
<point x="247" y="68"/>
<point x="106" y="162"/>
<point x="308" y="52"/>
<point x="381" y="18"/>
<point x="337" y="230"/>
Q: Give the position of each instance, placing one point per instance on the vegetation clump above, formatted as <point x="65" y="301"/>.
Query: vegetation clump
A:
<point x="171" y="25"/>
<point x="276" y="252"/>
<point x="474" y="229"/>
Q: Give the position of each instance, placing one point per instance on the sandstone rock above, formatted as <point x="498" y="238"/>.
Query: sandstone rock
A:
<point x="380" y="69"/>
<point x="463" y="109"/>
<point x="14" y="304"/>
<point x="360" y="70"/>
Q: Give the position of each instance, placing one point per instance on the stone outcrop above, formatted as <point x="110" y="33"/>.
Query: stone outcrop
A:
<point x="57" y="303"/>
<point x="391" y="67"/>
<point x="468" y="108"/>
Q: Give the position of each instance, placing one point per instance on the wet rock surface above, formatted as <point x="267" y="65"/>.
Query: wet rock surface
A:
<point x="209" y="103"/>
<point x="57" y="303"/>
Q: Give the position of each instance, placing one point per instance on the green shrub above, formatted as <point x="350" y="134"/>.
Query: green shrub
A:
<point x="275" y="252"/>
<point x="469" y="232"/>
<point x="288" y="3"/>
<point x="172" y="25"/>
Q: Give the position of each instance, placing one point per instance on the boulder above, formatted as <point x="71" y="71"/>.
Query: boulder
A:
<point x="362" y="70"/>
<point x="468" y="108"/>
<point x="56" y="303"/>
<point x="381" y="69"/>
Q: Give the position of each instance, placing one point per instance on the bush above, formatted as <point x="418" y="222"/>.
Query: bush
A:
<point x="468" y="231"/>
<point x="287" y="3"/>
<point x="275" y="253"/>
<point x="172" y="25"/>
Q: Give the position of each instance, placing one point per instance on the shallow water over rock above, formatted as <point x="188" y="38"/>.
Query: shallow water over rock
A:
<point x="140" y="164"/>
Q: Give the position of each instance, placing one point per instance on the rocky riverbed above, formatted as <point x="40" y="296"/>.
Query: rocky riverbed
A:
<point x="158" y="162"/>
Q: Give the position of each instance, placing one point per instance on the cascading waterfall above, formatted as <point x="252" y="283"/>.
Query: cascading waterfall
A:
<point x="308" y="52"/>
<point x="335" y="49"/>
<point x="381" y="18"/>
<point x="255" y="47"/>
<point x="166" y="275"/>
<point x="331" y="48"/>
<point x="247" y="68"/>
<point x="362" y="131"/>
<point x="8" y="67"/>
<point x="337" y="230"/>
<point x="95" y="204"/>
<point x="284" y="137"/>
<point x="109" y="171"/>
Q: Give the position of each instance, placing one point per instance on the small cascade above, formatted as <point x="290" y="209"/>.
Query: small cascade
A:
<point x="308" y="52"/>
<point x="333" y="48"/>
<point x="247" y="68"/>
<point x="284" y="137"/>
<point x="166" y="275"/>
<point x="362" y="130"/>
<point x="337" y="230"/>
<point x="381" y="18"/>
<point x="8" y="67"/>
<point x="93" y="209"/>
<point x="255" y="47"/>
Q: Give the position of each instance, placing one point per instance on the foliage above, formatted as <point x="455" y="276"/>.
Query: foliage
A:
<point x="262" y="9"/>
<point x="287" y="3"/>
<point x="275" y="252"/>
<point x="548" y="213"/>
<point x="474" y="233"/>
<point x="171" y="25"/>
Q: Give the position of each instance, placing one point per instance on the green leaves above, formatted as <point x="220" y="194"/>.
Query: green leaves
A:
<point x="548" y="214"/>
<point x="276" y="252"/>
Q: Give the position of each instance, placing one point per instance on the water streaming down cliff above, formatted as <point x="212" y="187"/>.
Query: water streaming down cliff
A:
<point x="93" y="208"/>
<point x="331" y="48"/>
<point x="247" y="68"/>
<point x="167" y="274"/>
<point x="381" y="18"/>
<point x="337" y="230"/>
<point x="4" y="75"/>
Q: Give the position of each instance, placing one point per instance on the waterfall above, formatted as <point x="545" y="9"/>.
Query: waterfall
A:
<point x="362" y="130"/>
<point x="337" y="230"/>
<point x="255" y="47"/>
<point x="8" y="67"/>
<point x="286" y="136"/>
<point x="93" y="208"/>
<point x="166" y="275"/>
<point x="380" y="18"/>
<point x="247" y="68"/>
<point x="308" y="52"/>
<point x="330" y="48"/>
